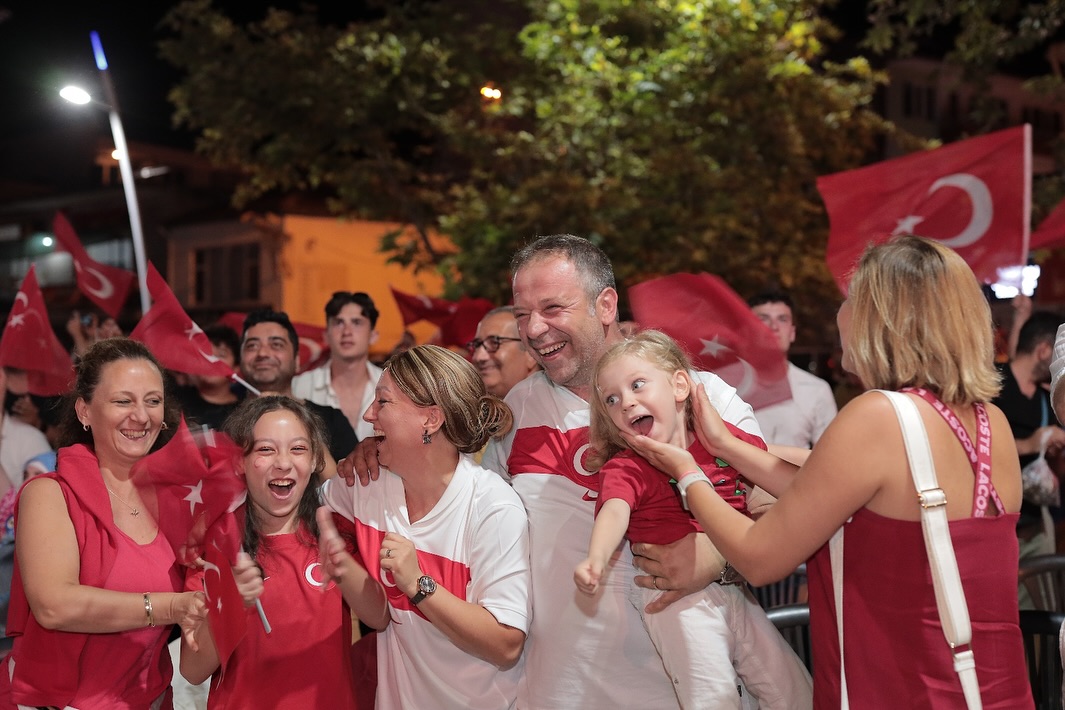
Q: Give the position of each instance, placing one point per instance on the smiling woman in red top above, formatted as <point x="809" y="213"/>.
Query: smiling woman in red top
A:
<point x="96" y="587"/>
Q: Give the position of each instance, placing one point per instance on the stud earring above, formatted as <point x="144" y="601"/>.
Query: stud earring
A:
<point x="427" y="438"/>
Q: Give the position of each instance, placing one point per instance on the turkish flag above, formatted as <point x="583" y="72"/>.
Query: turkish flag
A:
<point x="457" y="319"/>
<point x="226" y="612"/>
<point x="973" y="196"/>
<point x="106" y="286"/>
<point x="413" y="308"/>
<point x="195" y="482"/>
<point x="462" y="326"/>
<point x="1050" y="234"/>
<point x="173" y="337"/>
<point x="313" y="347"/>
<point x="30" y="344"/>
<point x="718" y="330"/>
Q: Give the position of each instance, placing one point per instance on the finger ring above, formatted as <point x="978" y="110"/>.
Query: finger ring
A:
<point x="388" y="552"/>
<point x="654" y="583"/>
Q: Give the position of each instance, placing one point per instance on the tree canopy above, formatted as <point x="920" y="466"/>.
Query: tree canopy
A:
<point x="679" y="135"/>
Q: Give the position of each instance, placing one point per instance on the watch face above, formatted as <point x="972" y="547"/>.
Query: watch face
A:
<point x="731" y="575"/>
<point x="426" y="584"/>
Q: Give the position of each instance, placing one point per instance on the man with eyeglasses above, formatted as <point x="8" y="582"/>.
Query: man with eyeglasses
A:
<point x="348" y="379"/>
<point x="500" y="356"/>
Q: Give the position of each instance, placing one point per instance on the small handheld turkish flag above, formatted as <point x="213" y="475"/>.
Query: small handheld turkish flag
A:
<point x="195" y="484"/>
<point x="973" y="195"/>
<point x="173" y="337"/>
<point x="718" y="330"/>
<point x="30" y="344"/>
<point x="106" y="286"/>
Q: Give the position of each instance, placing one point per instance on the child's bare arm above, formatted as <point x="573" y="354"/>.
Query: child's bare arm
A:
<point x="607" y="533"/>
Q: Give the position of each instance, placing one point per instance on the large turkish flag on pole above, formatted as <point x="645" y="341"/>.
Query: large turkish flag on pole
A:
<point x="719" y="332"/>
<point x="972" y="195"/>
<point x="106" y="286"/>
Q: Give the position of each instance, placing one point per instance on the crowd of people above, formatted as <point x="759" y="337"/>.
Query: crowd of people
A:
<point x="525" y="527"/>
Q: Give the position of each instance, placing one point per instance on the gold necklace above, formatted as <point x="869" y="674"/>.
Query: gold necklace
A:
<point x="133" y="511"/>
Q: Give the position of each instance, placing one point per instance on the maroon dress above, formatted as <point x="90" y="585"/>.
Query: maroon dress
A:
<point x="895" y="652"/>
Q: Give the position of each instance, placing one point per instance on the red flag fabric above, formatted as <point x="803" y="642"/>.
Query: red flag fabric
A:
<point x="718" y="330"/>
<point x="225" y="607"/>
<point x="106" y="286"/>
<point x="413" y="308"/>
<point x="313" y="347"/>
<point x="462" y="326"/>
<point x="30" y="344"/>
<point x="195" y="484"/>
<point x="457" y="319"/>
<point x="972" y="195"/>
<point x="1050" y="234"/>
<point x="173" y="337"/>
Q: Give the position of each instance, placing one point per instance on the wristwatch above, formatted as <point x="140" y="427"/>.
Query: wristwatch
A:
<point x="426" y="586"/>
<point x="730" y="575"/>
<point x="685" y="481"/>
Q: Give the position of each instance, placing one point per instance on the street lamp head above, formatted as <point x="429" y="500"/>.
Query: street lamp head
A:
<point x="75" y="95"/>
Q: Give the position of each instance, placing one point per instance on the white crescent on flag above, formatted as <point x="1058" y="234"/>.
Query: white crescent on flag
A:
<point x="106" y="289"/>
<point x="208" y="567"/>
<point x="20" y="296"/>
<point x="314" y="348"/>
<point x="983" y="210"/>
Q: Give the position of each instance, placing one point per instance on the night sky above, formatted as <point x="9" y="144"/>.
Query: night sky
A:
<point x="44" y="45"/>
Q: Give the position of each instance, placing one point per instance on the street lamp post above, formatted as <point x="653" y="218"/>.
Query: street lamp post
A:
<point x="125" y="167"/>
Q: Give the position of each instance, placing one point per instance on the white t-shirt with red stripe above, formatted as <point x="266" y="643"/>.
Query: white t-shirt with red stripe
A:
<point x="582" y="652"/>
<point x="474" y="542"/>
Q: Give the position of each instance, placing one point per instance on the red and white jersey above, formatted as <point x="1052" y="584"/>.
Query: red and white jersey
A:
<point x="582" y="652"/>
<point x="475" y="543"/>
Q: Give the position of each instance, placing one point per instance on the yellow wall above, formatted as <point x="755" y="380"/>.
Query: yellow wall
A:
<point x="321" y="255"/>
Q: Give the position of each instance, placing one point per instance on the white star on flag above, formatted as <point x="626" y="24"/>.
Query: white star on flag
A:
<point x="713" y="348"/>
<point x="194" y="496"/>
<point x="192" y="330"/>
<point x="17" y="320"/>
<point x="907" y="224"/>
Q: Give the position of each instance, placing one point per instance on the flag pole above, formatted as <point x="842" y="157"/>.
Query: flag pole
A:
<point x="125" y="167"/>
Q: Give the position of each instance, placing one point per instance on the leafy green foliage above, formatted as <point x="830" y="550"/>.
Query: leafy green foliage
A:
<point x="680" y="135"/>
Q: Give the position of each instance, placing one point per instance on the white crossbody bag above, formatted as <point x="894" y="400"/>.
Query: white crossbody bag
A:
<point x="946" y="580"/>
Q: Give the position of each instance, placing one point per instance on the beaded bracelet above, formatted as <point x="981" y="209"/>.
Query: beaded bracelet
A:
<point x="148" y="613"/>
